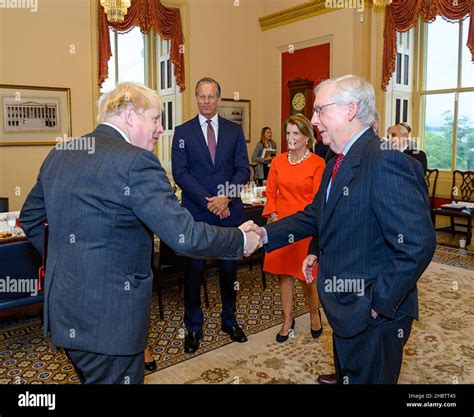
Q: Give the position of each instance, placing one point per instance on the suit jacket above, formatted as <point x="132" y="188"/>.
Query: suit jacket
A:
<point x="419" y="156"/>
<point x="322" y="150"/>
<point x="375" y="230"/>
<point x="100" y="208"/>
<point x="199" y="178"/>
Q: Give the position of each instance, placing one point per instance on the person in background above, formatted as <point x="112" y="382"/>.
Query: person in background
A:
<point x="376" y="123"/>
<point x="263" y="164"/>
<point x="398" y="136"/>
<point x="321" y="149"/>
<point x="292" y="184"/>
<point x="210" y="164"/>
<point x="406" y="126"/>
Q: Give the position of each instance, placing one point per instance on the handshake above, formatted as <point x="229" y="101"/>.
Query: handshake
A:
<point x="255" y="235"/>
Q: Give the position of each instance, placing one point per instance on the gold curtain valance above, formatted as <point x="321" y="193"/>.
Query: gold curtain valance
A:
<point x="402" y="15"/>
<point x="146" y="14"/>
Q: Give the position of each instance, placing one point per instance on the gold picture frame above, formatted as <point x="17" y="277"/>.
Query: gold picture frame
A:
<point x="32" y="115"/>
<point x="237" y="111"/>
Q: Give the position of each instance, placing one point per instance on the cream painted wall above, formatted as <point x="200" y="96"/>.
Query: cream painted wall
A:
<point x="272" y="6"/>
<point x="225" y="44"/>
<point x="56" y="53"/>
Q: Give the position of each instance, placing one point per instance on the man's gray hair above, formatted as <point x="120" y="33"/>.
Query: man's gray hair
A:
<point x="350" y="88"/>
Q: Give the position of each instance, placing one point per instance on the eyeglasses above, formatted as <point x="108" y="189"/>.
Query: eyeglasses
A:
<point x="319" y="109"/>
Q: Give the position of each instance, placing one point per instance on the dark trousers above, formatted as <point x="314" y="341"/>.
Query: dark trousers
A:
<point x="373" y="356"/>
<point x="193" y="316"/>
<point x="94" y="368"/>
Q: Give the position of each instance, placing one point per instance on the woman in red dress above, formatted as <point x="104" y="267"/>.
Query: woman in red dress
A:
<point x="293" y="182"/>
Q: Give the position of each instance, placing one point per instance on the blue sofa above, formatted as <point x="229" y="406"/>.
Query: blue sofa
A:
<point x="19" y="265"/>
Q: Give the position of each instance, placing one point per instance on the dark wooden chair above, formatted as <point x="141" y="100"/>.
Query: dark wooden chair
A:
<point x="431" y="178"/>
<point x="462" y="190"/>
<point x="3" y="204"/>
<point x="168" y="266"/>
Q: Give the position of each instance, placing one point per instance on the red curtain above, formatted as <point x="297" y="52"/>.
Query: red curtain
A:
<point x="146" y="14"/>
<point x="402" y="15"/>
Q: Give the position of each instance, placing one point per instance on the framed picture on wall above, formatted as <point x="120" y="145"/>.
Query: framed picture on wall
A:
<point x="31" y="115"/>
<point x="237" y="112"/>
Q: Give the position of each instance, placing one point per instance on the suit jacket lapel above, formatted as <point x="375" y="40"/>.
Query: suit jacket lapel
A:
<point x="344" y="176"/>
<point x="200" y="137"/>
<point x="220" y="138"/>
<point x="325" y="181"/>
<point x="342" y="180"/>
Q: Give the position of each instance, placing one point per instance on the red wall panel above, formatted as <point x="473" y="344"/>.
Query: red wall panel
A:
<point x="308" y="63"/>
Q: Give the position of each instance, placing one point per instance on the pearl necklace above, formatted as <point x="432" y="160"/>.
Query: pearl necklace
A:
<point x="307" y="153"/>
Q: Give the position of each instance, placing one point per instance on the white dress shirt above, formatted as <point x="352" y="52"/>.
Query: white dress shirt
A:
<point x="214" y="123"/>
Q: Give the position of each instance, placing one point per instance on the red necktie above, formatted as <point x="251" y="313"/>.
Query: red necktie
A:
<point x="211" y="140"/>
<point x="337" y="165"/>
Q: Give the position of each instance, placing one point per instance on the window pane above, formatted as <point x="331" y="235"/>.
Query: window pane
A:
<point x="467" y="65"/>
<point x="169" y="73"/>
<point x="131" y="56"/>
<point x="438" y="129"/>
<point x="399" y="68"/>
<point x="170" y="115"/>
<point x="109" y="83"/>
<point x="442" y="55"/>
<point x="397" y="111"/>
<point x="405" y="110"/>
<point x="405" y="69"/>
<point x="465" y="137"/>
<point x="162" y="75"/>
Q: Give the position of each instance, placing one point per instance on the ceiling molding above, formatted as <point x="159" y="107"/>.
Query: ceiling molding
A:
<point x="305" y="11"/>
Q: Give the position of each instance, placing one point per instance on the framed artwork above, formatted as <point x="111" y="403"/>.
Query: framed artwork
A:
<point x="34" y="115"/>
<point x="237" y="112"/>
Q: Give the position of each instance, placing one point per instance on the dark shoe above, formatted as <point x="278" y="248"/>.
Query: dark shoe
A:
<point x="327" y="379"/>
<point x="317" y="333"/>
<point x="150" y="366"/>
<point x="235" y="333"/>
<point x="280" y="338"/>
<point x="191" y="342"/>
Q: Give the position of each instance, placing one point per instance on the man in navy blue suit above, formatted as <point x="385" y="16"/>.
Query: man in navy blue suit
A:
<point x="210" y="164"/>
<point x="372" y="218"/>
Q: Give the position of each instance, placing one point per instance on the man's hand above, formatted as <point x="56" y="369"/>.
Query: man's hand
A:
<point x="253" y="243"/>
<point x="374" y="313"/>
<point x="255" y="236"/>
<point x="224" y="214"/>
<point x="218" y="204"/>
<point x="251" y="226"/>
<point x="308" y="266"/>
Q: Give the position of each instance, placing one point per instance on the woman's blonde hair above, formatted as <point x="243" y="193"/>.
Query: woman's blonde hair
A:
<point x="304" y="126"/>
<point x="127" y="94"/>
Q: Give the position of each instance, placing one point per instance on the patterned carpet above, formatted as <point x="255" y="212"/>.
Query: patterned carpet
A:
<point x="441" y="345"/>
<point x="440" y="349"/>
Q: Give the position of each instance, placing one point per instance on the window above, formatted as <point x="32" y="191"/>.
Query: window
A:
<point x="128" y="61"/>
<point x="399" y="98"/>
<point x="134" y="58"/>
<point x="447" y="98"/>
